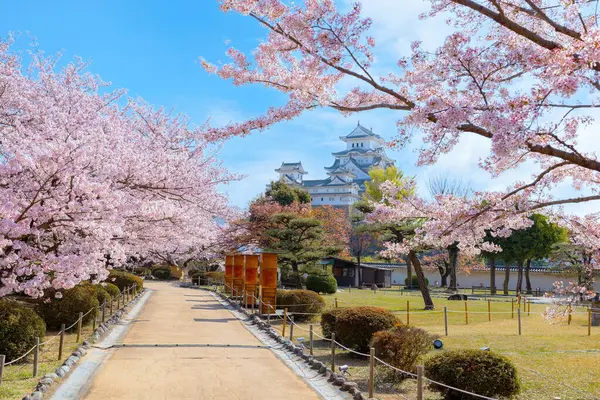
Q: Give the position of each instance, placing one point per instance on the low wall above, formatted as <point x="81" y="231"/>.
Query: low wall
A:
<point x="544" y="281"/>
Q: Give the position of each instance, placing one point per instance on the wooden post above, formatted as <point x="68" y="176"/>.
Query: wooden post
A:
<point x="466" y="314"/>
<point x="569" y="310"/>
<point x="333" y="351"/>
<point x="589" y="321"/>
<point x="489" y="310"/>
<point x="335" y="302"/>
<point x="446" y="320"/>
<point x="284" y="322"/>
<point x="310" y="338"/>
<point x="519" y="317"/>
<point x="407" y="312"/>
<point x="36" y="356"/>
<point x="79" y="323"/>
<point x="512" y="303"/>
<point x="61" y="341"/>
<point x="519" y="300"/>
<point x="529" y="307"/>
<point x="269" y="313"/>
<point x="371" y="372"/>
<point x="104" y="311"/>
<point x="292" y="328"/>
<point x="2" y="358"/>
<point x="419" y="382"/>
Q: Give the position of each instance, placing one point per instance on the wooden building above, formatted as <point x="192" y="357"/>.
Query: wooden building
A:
<point x="348" y="274"/>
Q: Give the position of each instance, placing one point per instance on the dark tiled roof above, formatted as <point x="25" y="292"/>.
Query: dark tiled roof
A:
<point x="360" y="132"/>
<point x="315" y="182"/>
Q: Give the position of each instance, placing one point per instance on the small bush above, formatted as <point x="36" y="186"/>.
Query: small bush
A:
<point x="215" y="276"/>
<point x="19" y="326"/>
<point x="162" y="273"/>
<point x="141" y="271"/>
<point x="102" y="294"/>
<point x="113" y="290"/>
<point x="322" y="283"/>
<point x="328" y="321"/>
<point x="300" y="301"/>
<point x="65" y="310"/>
<point x="354" y="327"/>
<point x="415" y="281"/>
<point x="124" y="280"/>
<point x="475" y="371"/>
<point x="402" y="346"/>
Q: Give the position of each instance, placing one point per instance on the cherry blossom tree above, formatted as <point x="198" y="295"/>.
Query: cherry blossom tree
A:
<point x="522" y="74"/>
<point x="86" y="183"/>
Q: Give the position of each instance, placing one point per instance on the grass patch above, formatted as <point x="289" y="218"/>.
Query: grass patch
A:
<point x="553" y="360"/>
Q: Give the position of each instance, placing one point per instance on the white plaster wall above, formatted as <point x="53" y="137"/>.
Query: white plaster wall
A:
<point x="475" y="278"/>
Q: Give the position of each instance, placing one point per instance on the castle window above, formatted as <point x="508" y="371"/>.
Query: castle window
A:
<point x="352" y="144"/>
<point x="321" y="199"/>
<point x="361" y="145"/>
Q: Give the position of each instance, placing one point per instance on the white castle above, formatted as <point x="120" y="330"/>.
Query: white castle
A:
<point x="347" y="175"/>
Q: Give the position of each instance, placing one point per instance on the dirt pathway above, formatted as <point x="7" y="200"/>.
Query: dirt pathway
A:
<point x="185" y="316"/>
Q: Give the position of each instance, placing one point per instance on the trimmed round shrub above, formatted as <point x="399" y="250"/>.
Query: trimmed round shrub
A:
<point x="402" y="346"/>
<point x="328" y="321"/>
<point x="475" y="371"/>
<point x="19" y="326"/>
<point x="141" y="271"/>
<point x="81" y="298"/>
<point x="215" y="276"/>
<point x="322" y="283"/>
<point x="162" y="273"/>
<point x="415" y="281"/>
<point x="124" y="280"/>
<point x="102" y="295"/>
<point x="197" y="277"/>
<point x="300" y="301"/>
<point x="354" y="327"/>
<point x="113" y="290"/>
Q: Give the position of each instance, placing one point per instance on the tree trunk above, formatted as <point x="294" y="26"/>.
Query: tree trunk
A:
<point x="506" y="277"/>
<point x="520" y="277"/>
<point x="444" y="273"/>
<point x="409" y="272"/>
<point x="357" y="278"/>
<point x="492" y="275"/>
<point x="412" y="256"/>
<point x="453" y="258"/>
<point x="296" y="273"/>
<point x="527" y="278"/>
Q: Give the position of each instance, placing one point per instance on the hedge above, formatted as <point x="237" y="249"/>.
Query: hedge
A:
<point x="124" y="280"/>
<point x="300" y="301"/>
<point x="112" y="289"/>
<point x="322" y="283"/>
<point x="476" y="371"/>
<point x="328" y="319"/>
<point x="415" y="281"/>
<point x="19" y="326"/>
<point x="215" y="276"/>
<point x="162" y="273"/>
<point x="54" y="311"/>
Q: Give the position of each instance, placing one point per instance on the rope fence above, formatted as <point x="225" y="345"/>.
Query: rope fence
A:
<point x="288" y="320"/>
<point x="41" y="349"/>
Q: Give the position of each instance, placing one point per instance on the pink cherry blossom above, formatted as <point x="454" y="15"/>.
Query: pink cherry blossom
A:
<point x="86" y="183"/>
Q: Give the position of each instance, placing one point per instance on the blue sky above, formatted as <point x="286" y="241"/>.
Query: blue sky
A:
<point x="151" y="49"/>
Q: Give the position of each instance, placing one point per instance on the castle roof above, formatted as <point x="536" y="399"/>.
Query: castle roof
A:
<point x="292" y="166"/>
<point x="361" y="132"/>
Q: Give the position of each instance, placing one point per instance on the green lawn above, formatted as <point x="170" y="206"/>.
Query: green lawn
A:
<point x="553" y="360"/>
